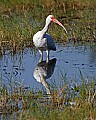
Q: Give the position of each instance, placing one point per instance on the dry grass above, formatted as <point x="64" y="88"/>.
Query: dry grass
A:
<point x="36" y="105"/>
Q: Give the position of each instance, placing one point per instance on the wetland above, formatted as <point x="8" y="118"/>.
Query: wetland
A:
<point x="63" y="88"/>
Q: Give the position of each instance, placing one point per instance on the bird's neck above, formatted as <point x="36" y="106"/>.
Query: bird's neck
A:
<point x="45" y="29"/>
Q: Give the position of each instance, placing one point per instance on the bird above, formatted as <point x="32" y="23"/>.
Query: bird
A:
<point x="43" y="41"/>
<point x="44" y="70"/>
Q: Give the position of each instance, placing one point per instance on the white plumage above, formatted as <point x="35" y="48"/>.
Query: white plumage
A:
<point x="43" y="71"/>
<point x="43" y="41"/>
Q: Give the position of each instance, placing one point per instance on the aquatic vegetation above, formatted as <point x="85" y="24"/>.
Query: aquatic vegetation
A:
<point x="65" y="102"/>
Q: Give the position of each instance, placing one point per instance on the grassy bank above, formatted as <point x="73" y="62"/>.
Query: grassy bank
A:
<point x="19" y="20"/>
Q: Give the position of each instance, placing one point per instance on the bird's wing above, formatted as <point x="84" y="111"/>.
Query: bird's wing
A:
<point x="50" y="42"/>
<point x="39" y="41"/>
<point x="46" y="42"/>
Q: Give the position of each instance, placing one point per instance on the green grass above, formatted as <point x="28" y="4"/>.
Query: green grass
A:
<point x="19" y="20"/>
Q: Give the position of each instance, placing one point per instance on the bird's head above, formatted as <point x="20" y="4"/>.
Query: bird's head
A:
<point x="51" y="18"/>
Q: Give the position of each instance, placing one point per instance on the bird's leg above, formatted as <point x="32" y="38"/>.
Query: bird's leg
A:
<point x="47" y="51"/>
<point x="41" y="55"/>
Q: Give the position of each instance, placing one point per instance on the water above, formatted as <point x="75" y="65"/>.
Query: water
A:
<point x="24" y="68"/>
<point x="65" y="64"/>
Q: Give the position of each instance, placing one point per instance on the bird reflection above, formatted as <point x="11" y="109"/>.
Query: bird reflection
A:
<point x="43" y="71"/>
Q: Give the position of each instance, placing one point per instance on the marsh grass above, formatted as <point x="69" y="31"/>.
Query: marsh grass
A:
<point x="19" y="20"/>
<point x="77" y="107"/>
<point x="64" y="102"/>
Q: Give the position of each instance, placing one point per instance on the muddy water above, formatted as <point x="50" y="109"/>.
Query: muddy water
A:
<point x="65" y="65"/>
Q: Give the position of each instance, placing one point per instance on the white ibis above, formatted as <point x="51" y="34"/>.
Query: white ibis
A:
<point x="43" y="71"/>
<point x="43" y="41"/>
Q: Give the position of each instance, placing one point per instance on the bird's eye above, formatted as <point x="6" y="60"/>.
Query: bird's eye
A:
<point x="52" y="18"/>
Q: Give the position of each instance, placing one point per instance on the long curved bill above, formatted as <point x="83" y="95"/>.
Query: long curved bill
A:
<point x="56" y="21"/>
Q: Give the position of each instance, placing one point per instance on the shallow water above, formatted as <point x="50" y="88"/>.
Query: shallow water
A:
<point x="64" y="66"/>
